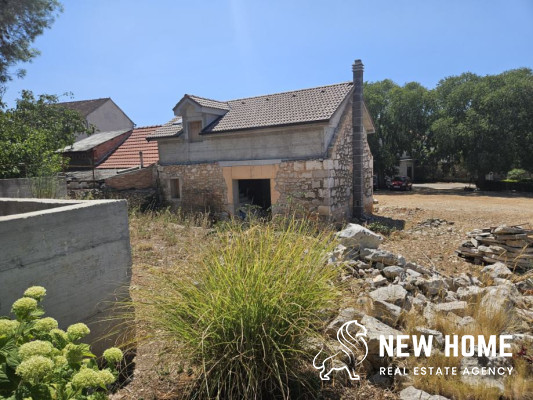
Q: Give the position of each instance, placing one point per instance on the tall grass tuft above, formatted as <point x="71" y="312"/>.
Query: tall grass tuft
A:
<point x="243" y="314"/>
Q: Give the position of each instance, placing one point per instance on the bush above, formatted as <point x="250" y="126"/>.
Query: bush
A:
<point x="242" y="316"/>
<point x="40" y="361"/>
<point x="517" y="174"/>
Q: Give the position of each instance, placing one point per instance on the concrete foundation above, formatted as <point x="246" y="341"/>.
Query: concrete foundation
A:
<point x="78" y="250"/>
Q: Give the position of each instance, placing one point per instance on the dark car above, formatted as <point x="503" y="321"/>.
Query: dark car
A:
<point x="401" y="183"/>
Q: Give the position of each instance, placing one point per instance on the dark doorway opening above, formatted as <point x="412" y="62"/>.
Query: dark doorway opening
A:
<point x="255" y="192"/>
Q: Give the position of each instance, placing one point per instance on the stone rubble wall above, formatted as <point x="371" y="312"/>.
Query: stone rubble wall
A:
<point x="138" y="179"/>
<point x="202" y="186"/>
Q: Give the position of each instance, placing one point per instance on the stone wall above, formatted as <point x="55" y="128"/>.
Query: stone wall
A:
<point x="78" y="250"/>
<point x="303" y="186"/>
<point x="202" y="186"/>
<point x="138" y="179"/>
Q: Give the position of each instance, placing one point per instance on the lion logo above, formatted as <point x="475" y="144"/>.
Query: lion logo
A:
<point x="346" y="358"/>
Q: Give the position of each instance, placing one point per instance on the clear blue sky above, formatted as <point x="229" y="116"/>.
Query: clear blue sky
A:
<point x="146" y="54"/>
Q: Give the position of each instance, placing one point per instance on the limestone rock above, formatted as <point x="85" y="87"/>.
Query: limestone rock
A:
<point x="345" y="315"/>
<point x="355" y="235"/>
<point x="433" y="286"/>
<point x="502" y="297"/>
<point x="468" y="293"/>
<point x="497" y="270"/>
<point x="379" y="280"/>
<point x="383" y="256"/>
<point x="411" y="393"/>
<point x="483" y="361"/>
<point x="386" y="312"/>
<point x="393" y="271"/>
<point x="394" y="294"/>
<point x="437" y="336"/>
<point x="418" y="268"/>
<point x="375" y="328"/>
<point x="457" y="307"/>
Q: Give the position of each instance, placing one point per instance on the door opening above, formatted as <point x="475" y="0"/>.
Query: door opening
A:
<point x="254" y="192"/>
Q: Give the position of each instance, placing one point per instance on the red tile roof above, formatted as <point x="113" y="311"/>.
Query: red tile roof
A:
<point x="127" y="155"/>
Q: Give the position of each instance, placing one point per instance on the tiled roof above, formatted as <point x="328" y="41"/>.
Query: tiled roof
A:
<point x="127" y="154"/>
<point x="221" y="105"/>
<point x="85" y="107"/>
<point x="94" y="140"/>
<point x="299" y="106"/>
<point x="171" y="129"/>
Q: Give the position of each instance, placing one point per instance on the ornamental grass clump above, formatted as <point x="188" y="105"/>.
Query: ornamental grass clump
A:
<point x="40" y="361"/>
<point x="243" y="315"/>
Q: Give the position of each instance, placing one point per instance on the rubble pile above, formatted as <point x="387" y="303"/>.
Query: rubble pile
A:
<point x="391" y="286"/>
<point x="511" y="245"/>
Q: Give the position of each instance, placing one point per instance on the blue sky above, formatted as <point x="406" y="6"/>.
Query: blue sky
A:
<point x="146" y="55"/>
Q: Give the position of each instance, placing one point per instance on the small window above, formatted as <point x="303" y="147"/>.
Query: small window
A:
<point x="194" y="128"/>
<point x="175" y="192"/>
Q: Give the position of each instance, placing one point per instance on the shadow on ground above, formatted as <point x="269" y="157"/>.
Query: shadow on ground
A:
<point x="454" y="192"/>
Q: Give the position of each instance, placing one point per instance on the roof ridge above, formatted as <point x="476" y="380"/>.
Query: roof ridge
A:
<point x="147" y="126"/>
<point x="291" y="91"/>
<point x="80" y="101"/>
<point x="205" y="98"/>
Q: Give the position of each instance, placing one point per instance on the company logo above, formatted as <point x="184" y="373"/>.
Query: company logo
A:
<point x="350" y="355"/>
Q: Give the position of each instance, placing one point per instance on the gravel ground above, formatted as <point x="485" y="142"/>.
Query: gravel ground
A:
<point x="461" y="211"/>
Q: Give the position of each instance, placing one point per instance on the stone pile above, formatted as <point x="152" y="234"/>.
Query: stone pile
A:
<point x="391" y="286"/>
<point x="512" y="245"/>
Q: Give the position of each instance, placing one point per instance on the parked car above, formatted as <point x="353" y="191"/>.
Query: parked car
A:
<point x="401" y="183"/>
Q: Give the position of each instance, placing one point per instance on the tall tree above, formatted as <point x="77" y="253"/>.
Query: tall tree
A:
<point x="32" y="132"/>
<point x="21" y="21"/>
<point x="485" y="123"/>
<point x="385" y="143"/>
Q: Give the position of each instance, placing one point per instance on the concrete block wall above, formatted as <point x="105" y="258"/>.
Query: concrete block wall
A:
<point x="78" y="250"/>
<point x="25" y="187"/>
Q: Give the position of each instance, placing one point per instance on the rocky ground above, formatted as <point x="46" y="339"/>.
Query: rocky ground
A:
<point x="428" y="278"/>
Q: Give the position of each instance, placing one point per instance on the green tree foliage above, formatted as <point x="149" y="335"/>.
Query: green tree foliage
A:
<point x="32" y="132"/>
<point x="486" y="123"/>
<point x="21" y="21"/>
<point x="480" y="123"/>
<point x="402" y="117"/>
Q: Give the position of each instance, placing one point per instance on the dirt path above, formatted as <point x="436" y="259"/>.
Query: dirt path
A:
<point x="462" y="211"/>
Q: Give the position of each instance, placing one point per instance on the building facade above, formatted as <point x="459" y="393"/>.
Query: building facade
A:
<point x="291" y="150"/>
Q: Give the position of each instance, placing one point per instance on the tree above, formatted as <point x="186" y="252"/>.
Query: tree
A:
<point x="402" y="117"/>
<point x="486" y="123"/>
<point x="32" y="132"/>
<point x="385" y="143"/>
<point x="21" y="21"/>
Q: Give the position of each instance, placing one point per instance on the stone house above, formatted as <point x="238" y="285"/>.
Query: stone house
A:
<point x="278" y="150"/>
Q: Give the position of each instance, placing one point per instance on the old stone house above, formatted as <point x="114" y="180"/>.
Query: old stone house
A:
<point x="292" y="149"/>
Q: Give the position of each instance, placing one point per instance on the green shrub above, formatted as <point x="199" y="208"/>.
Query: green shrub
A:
<point x="380" y="227"/>
<point x="40" y="361"/>
<point x="242" y="316"/>
<point x="517" y="175"/>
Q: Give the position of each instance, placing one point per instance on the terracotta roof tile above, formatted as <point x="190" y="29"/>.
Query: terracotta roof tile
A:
<point x="221" y="105"/>
<point x="127" y="155"/>
<point x="299" y="106"/>
<point x="172" y="128"/>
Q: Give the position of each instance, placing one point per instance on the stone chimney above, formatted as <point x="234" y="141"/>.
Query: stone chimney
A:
<point x="357" y="139"/>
